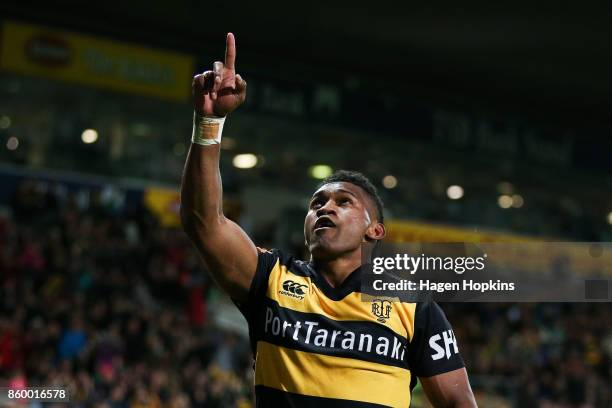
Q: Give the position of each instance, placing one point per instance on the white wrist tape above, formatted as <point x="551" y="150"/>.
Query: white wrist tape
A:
<point x="207" y="130"/>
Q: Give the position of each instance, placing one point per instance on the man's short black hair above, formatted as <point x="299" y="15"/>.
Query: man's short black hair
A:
<point x="358" y="179"/>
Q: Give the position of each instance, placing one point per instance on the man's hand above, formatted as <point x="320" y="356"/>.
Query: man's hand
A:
<point x="220" y="91"/>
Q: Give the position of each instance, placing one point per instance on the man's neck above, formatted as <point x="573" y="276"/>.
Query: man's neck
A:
<point x="335" y="271"/>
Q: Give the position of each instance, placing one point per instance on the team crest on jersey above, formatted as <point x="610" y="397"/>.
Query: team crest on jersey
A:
<point x="294" y="289"/>
<point x="381" y="308"/>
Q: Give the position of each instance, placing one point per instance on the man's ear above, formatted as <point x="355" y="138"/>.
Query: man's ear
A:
<point x="375" y="232"/>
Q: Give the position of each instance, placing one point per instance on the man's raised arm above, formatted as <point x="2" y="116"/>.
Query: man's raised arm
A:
<point x="228" y="252"/>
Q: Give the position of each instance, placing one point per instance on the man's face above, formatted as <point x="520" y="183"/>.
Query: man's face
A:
<point x="339" y="218"/>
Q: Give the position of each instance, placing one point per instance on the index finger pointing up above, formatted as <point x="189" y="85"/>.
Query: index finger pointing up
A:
<point x="230" y="51"/>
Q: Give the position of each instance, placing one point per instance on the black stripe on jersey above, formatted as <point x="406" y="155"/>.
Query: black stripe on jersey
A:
<point x="297" y="267"/>
<point x="311" y="332"/>
<point x="306" y="269"/>
<point x="269" y="397"/>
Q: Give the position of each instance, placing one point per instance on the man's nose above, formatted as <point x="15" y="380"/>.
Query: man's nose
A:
<point x="328" y="208"/>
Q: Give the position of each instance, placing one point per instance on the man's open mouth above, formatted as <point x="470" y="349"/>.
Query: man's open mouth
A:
<point x="324" y="222"/>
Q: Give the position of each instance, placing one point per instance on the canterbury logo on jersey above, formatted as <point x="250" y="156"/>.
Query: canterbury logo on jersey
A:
<point x="294" y="289"/>
<point x="324" y="336"/>
<point x="448" y="338"/>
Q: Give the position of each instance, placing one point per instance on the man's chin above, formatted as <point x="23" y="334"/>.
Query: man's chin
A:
<point x="324" y="251"/>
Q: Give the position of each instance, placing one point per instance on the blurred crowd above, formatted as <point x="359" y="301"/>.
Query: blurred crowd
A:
<point x="106" y="301"/>
<point x="547" y="355"/>
<point x="114" y="306"/>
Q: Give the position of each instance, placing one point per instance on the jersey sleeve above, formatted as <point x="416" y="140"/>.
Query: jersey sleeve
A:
<point x="259" y="285"/>
<point x="433" y="348"/>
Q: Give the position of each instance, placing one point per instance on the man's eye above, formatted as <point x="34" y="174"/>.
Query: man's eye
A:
<point x="344" y="201"/>
<point x="315" y="204"/>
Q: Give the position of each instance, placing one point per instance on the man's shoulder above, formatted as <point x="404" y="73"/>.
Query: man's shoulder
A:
<point x="286" y="260"/>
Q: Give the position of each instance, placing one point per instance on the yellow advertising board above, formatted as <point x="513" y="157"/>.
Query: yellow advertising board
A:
<point x="67" y="56"/>
<point x="413" y="231"/>
<point x="164" y="204"/>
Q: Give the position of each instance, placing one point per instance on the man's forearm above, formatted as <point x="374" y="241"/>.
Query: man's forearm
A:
<point x="228" y="252"/>
<point x="201" y="190"/>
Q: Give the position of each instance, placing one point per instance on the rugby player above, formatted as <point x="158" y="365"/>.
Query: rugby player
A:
<point x="315" y="341"/>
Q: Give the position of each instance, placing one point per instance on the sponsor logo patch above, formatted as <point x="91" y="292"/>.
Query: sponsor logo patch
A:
<point x="294" y="289"/>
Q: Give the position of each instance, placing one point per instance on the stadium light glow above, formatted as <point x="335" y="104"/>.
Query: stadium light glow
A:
<point x="89" y="136"/>
<point x="320" y="171"/>
<point x="141" y="129"/>
<point x="389" y="181"/>
<point x="5" y="122"/>
<point x="610" y="218"/>
<point x="505" y="188"/>
<point x="245" y="161"/>
<point x="517" y="201"/>
<point x="12" y="143"/>
<point x="504" y="201"/>
<point x="454" y="192"/>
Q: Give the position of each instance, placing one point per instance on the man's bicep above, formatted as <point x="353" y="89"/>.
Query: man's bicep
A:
<point x="450" y="389"/>
<point x="230" y="256"/>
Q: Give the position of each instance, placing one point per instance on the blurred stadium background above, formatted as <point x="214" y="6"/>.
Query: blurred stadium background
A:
<point x="477" y="124"/>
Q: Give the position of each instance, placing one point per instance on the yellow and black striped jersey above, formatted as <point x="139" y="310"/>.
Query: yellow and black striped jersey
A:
<point x="320" y="346"/>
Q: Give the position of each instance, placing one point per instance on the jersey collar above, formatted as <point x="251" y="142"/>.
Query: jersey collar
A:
<point x="351" y="284"/>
